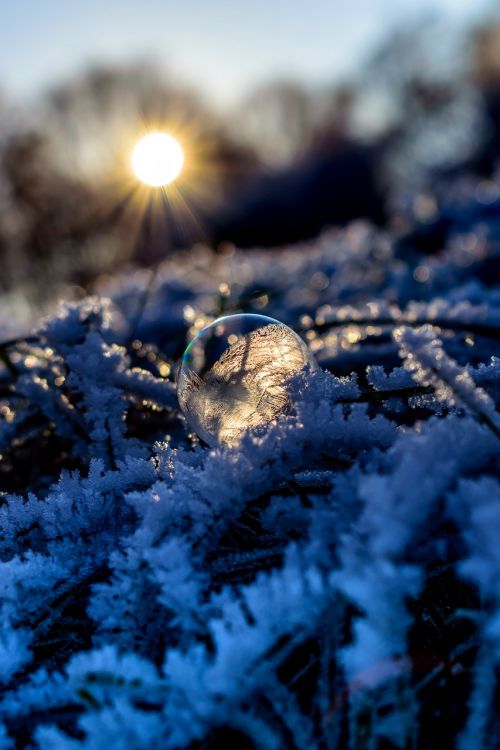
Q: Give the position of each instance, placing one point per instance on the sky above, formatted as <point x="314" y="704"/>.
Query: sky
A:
<point x="225" y="47"/>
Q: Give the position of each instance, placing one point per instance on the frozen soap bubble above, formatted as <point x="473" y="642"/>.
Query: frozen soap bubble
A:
<point x="235" y="373"/>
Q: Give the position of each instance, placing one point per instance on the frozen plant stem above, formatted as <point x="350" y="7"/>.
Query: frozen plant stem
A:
<point x="424" y="357"/>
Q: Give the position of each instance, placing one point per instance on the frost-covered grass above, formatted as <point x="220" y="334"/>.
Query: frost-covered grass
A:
<point x="331" y="583"/>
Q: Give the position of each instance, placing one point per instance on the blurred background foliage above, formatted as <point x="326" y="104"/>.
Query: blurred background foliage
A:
<point x="283" y="165"/>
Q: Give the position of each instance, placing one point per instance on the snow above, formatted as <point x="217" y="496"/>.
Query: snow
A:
<point x="156" y="591"/>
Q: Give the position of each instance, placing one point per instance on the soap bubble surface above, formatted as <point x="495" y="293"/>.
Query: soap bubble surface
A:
<point x="235" y="373"/>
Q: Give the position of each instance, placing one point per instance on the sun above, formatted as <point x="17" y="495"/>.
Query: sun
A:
<point x="157" y="159"/>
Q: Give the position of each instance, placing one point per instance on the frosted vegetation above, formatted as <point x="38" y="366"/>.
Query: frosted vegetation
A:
<point x="331" y="582"/>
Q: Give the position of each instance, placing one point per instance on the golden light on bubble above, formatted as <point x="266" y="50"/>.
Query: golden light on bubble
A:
<point x="157" y="159"/>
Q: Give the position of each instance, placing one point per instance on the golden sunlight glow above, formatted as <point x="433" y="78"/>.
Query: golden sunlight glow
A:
<point x="157" y="159"/>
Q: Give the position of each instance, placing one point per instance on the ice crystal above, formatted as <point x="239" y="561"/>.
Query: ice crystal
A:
<point x="235" y="375"/>
<point x="329" y="579"/>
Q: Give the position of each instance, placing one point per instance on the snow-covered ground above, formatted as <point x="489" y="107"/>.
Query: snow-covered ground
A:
<point x="329" y="582"/>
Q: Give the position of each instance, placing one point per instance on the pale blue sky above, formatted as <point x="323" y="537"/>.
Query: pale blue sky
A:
<point x="223" y="46"/>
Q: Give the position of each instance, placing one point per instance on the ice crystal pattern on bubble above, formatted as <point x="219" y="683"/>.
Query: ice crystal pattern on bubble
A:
<point x="247" y="385"/>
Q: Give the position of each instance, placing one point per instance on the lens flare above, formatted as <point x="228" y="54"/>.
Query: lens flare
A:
<point x="157" y="159"/>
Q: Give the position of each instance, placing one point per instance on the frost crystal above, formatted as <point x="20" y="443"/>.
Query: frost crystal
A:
<point x="330" y="579"/>
<point x="235" y="375"/>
